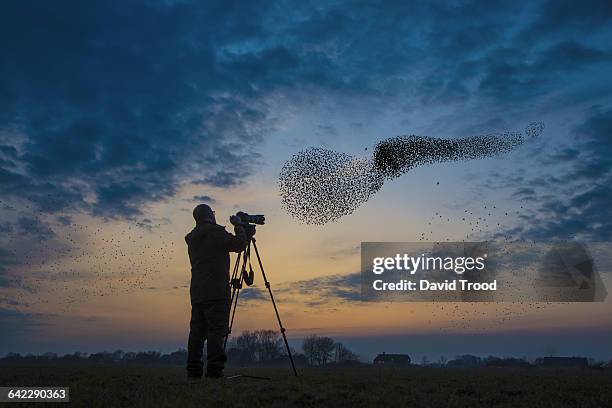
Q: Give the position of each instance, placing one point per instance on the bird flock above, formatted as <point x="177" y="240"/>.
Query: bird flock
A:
<point x="79" y="262"/>
<point x="319" y="185"/>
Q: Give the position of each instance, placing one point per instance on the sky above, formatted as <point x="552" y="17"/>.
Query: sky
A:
<point x="118" y="117"/>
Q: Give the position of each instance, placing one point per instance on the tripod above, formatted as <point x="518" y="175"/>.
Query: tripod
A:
<point x="238" y="278"/>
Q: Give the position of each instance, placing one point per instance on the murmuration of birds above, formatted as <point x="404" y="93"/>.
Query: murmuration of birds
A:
<point x="319" y="185"/>
<point x="84" y="261"/>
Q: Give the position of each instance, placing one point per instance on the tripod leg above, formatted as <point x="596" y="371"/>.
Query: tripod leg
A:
<point x="280" y="323"/>
<point x="235" y="293"/>
<point x="234" y="275"/>
<point x="233" y="313"/>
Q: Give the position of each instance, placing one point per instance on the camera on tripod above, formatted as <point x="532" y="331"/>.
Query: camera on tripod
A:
<point x="240" y="275"/>
<point x="251" y="219"/>
<point x="248" y="221"/>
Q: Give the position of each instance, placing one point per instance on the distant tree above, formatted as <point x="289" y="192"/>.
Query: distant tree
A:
<point x="147" y="357"/>
<point x="178" y="357"/>
<point x="72" y="358"/>
<point x="309" y="348"/>
<point x="128" y="357"/>
<point x="103" y="357"/>
<point x="247" y="343"/>
<point x="269" y="345"/>
<point x="318" y="350"/>
<point x="12" y="357"/>
<point x="326" y="349"/>
<point x="466" y="361"/>
<point x="342" y="353"/>
<point x="506" y="362"/>
<point x="117" y="355"/>
<point x="595" y="363"/>
<point x="424" y="361"/>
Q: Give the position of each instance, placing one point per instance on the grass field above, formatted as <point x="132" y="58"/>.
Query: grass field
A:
<point x="126" y="386"/>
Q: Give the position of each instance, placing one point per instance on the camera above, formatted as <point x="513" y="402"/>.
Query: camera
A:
<point x="251" y="219"/>
<point x="248" y="222"/>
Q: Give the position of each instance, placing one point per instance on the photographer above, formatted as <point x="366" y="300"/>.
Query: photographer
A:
<point x="209" y="246"/>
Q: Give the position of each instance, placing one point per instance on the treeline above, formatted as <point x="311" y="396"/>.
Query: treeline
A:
<point x="267" y="346"/>
<point x="259" y="347"/>
<point x="178" y="357"/>
<point x="471" y="361"/>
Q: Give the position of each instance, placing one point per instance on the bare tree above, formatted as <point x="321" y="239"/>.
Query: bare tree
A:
<point x="269" y="345"/>
<point x="309" y="347"/>
<point x="342" y="353"/>
<point x="326" y="349"/>
<point x="318" y="350"/>
<point x="247" y="343"/>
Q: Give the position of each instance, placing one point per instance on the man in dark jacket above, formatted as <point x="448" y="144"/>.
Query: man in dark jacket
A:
<point x="209" y="246"/>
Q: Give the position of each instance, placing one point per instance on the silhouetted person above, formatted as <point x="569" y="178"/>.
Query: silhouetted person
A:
<point x="209" y="246"/>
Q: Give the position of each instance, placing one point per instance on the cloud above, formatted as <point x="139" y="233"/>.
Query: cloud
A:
<point x="8" y="279"/>
<point x="7" y="258"/>
<point x="64" y="220"/>
<point x="575" y="202"/>
<point x="253" y="294"/>
<point x="222" y="178"/>
<point x="524" y="193"/>
<point x="107" y="107"/>
<point x="326" y="290"/>
<point x="204" y="199"/>
<point x="511" y="75"/>
<point x="556" y="18"/>
<point x="33" y="226"/>
<point x="6" y="227"/>
<point x="123" y="102"/>
<point x="9" y="301"/>
<point x="327" y="130"/>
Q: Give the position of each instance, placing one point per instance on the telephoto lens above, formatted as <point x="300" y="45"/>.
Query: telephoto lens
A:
<point x="251" y="219"/>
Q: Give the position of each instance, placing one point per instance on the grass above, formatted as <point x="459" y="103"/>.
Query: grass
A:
<point x="155" y="386"/>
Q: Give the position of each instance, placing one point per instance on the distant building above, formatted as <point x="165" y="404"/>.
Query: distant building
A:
<point x="394" y="360"/>
<point x="562" y="362"/>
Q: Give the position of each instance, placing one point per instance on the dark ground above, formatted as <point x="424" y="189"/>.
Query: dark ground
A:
<point x="126" y="386"/>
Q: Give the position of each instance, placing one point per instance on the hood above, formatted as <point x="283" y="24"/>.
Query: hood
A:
<point x="201" y="230"/>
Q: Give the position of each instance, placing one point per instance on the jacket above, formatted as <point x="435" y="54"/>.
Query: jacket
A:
<point x="209" y="246"/>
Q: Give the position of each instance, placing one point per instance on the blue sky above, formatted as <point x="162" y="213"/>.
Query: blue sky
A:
<point x="109" y="110"/>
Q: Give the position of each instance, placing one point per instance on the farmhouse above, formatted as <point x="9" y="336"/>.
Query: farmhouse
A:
<point x="394" y="360"/>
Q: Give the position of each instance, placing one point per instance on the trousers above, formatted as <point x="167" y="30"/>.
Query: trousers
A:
<point x="209" y="323"/>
